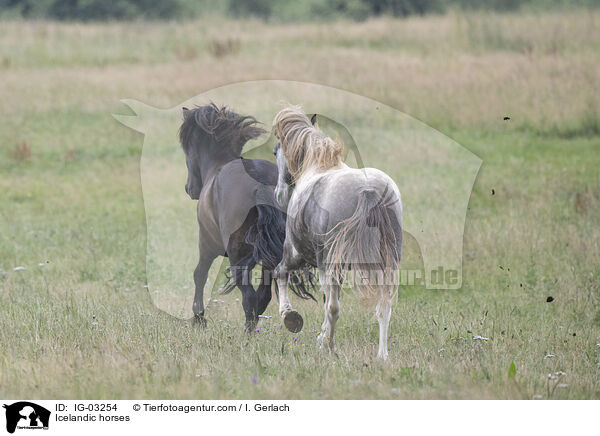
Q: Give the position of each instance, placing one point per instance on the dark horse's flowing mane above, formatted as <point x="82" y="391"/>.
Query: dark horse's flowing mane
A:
<point x="225" y="127"/>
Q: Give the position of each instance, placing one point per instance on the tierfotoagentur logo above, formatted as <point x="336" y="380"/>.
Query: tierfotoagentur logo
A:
<point x="25" y="415"/>
<point x="434" y="173"/>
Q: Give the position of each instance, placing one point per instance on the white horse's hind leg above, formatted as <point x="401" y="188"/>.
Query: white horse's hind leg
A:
<point x="332" y="311"/>
<point x="384" y="313"/>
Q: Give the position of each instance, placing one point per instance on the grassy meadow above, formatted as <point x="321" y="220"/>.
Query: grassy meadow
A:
<point x="77" y="321"/>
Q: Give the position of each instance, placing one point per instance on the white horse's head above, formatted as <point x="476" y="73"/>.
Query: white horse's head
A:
<point x="285" y="181"/>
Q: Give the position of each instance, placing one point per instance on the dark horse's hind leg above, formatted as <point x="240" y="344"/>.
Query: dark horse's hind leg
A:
<point x="243" y="280"/>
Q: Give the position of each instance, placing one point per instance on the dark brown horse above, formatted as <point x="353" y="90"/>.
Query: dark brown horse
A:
<point x="237" y="214"/>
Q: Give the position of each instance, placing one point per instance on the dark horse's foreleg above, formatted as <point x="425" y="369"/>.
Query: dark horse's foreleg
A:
<point x="200" y="276"/>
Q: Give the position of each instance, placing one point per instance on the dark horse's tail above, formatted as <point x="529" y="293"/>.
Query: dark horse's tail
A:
<point x="266" y="236"/>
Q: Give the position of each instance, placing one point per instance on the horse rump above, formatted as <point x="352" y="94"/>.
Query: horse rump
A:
<point x="368" y="243"/>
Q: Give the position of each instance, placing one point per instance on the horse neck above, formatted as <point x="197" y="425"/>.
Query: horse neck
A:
<point x="210" y="162"/>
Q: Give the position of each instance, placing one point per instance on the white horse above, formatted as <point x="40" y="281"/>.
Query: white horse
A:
<point x="339" y="219"/>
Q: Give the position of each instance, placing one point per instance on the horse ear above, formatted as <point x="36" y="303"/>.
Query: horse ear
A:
<point x="313" y="120"/>
<point x="185" y="111"/>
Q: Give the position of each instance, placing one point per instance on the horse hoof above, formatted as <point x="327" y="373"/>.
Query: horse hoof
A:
<point x="293" y="321"/>
<point x="251" y="326"/>
<point x="382" y="356"/>
<point x="200" y="320"/>
<point x="322" y="340"/>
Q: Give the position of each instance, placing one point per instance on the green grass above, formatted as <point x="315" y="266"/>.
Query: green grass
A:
<point x="84" y="326"/>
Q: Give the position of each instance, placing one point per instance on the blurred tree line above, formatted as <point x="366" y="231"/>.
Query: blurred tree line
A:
<point x="277" y="10"/>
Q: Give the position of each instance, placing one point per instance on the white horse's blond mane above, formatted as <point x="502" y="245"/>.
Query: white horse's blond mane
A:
<point x="305" y="146"/>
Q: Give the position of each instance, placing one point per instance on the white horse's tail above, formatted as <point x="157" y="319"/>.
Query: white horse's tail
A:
<point x="368" y="243"/>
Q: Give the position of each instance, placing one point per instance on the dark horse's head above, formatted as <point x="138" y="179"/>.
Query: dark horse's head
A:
<point x="210" y="137"/>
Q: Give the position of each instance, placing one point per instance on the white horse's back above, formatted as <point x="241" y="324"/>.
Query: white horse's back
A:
<point x="339" y="189"/>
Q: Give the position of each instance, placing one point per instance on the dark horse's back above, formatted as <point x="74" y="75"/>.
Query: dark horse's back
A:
<point x="252" y="224"/>
<point x="250" y="221"/>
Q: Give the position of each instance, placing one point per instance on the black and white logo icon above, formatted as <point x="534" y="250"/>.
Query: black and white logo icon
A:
<point x="26" y="415"/>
